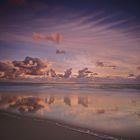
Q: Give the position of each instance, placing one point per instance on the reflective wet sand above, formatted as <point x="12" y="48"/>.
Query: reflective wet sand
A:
<point x="115" y="114"/>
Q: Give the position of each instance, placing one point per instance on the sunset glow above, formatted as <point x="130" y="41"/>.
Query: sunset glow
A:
<point x="104" y="40"/>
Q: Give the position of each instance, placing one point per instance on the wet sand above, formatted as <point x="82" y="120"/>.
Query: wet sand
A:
<point x="12" y="128"/>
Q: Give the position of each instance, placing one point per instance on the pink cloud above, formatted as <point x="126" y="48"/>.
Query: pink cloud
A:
<point x="55" y="37"/>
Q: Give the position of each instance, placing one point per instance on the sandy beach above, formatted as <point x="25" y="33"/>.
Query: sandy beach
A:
<point x="12" y="128"/>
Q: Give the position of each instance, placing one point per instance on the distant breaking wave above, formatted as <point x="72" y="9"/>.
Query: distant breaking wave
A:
<point x="78" y="85"/>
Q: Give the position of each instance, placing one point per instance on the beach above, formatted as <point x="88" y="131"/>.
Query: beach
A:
<point x="69" y="70"/>
<point x="13" y="128"/>
<point x="69" y="111"/>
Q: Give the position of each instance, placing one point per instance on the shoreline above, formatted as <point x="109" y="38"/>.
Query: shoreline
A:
<point x="17" y="127"/>
<point x="71" y="128"/>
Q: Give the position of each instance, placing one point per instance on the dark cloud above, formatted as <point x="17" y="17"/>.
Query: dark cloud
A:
<point x="88" y="71"/>
<point x="6" y="66"/>
<point x="55" y="37"/>
<point x="30" y="66"/>
<point x="33" y="66"/>
<point x="53" y="73"/>
<point x="8" y="70"/>
<point x="102" y="64"/>
<point x="35" y="62"/>
<point x="111" y="66"/>
<point x="95" y="73"/>
<point x="60" y="52"/>
<point x="82" y="73"/>
<point x="100" y="111"/>
<point x="68" y="73"/>
<point x="131" y="75"/>
<point x="138" y="68"/>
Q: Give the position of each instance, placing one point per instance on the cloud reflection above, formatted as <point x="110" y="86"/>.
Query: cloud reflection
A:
<point x="92" y="111"/>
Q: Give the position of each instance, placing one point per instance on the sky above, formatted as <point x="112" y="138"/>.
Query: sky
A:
<point x="102" y="35"/>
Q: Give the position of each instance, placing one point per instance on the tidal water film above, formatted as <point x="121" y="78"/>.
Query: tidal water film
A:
<point x="110" y="111"/>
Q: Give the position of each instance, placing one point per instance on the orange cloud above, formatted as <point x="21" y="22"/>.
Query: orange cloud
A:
<point x="37" y="37"/>
<point x="55" y="37"/>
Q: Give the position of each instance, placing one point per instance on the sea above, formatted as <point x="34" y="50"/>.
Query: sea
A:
<point x="109" y="111"/>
